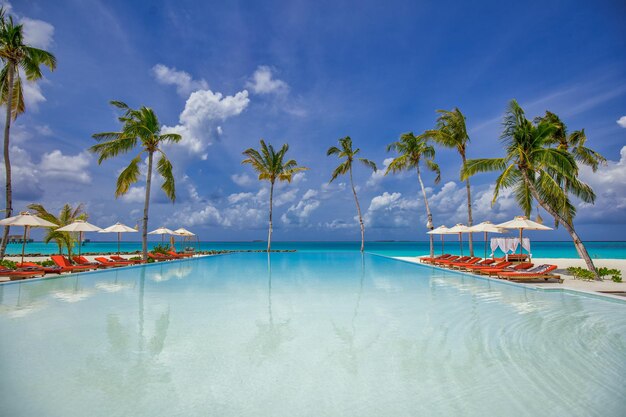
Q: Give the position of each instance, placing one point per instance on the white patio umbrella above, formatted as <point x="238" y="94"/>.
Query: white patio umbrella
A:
<point x="118" y="228"/>
<point x="460" y="229"/>
<point x="27" y="220"/>
<point x="521" y="223"/>
<point x="80" y="226"/>
<point x="486" y="227"/>
<point x="441" y="230"/>
<point x="162" y="231"/>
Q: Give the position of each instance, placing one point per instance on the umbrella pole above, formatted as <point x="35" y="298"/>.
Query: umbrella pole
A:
<point x="442" y="244"/>
<point x="520" y="240"/>
<point x="118" y="243"/>
<point x="80" y="243"/>
<point x="24" y="242"/>
<point x="461" y="242"/>
<point x="485" y="245"/>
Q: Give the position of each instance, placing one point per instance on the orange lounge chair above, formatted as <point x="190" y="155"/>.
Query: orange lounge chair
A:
<point x="495" y="271"/>
<point x="180" y="255"/>
<point x="434" y="258"/>
<point x="449" y="261"/>
<point x="159" y="256"/>
<point x="31" y="266"/>
<point x="15" y="274"/>
<point x="539" y="272"/>
<point x="470" y="261"/>
<point x="66" y="266"/>
<point x="110" y="263"/>
<point x="476" y="268"/>
<point x="81" y="260"/>
<point x="485" y="263"/>
<point x="117" y="258"/>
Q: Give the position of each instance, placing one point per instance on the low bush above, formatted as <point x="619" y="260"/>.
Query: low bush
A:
<point x="580" y="273"/>
<point x="161" y="248"/>
<point x="5" y="263"/>
<point x="614" y="274"/>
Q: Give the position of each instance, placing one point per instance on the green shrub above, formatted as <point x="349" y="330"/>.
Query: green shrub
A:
<point x="161" y="248"/>
<point x="615" y="274"/>
<point x="5" y="263"/>
<point x="47" y="262"/>
<point x="580" y="273"/>
<point x="135" y="258"/>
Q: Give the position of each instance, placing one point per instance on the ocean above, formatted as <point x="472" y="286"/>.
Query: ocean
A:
<point x="540" y="249"/>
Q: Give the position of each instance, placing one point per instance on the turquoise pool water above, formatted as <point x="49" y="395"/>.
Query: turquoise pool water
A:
<point x="307" y="334"/>
<point x="563" y="249"/>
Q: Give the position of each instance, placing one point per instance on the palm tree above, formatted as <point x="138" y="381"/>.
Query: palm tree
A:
<point x="17" y="57"/>
<point x="67" y="215"/>
<point x="139" y="127"/>
<point x="451" y="132"/>
<point x="411" y="151"/>
<point x="349" y="154"/>
<point x="271" y="166"/>
<point x="573" y="143"/>
<point x="535" y="169"/>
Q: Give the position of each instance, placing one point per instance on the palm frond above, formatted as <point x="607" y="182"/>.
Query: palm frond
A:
<point x="165" y="169"/>
<point x="128" y="176"/>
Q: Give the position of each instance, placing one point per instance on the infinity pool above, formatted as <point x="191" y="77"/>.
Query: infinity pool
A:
<point x="305" y="334"/>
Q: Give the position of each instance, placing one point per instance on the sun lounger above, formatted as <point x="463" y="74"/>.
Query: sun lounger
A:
<point x="180" y="255"/>
<point x="485" y="263"/>
<point x="476" y="268"/>
<point x="66" y="266"/>
<point x="15" y="274"/>
<point x="470" y="261"/>
<point x="539" y="272"/>
<point x="434" y="258"/>
<point x="159" y="256"/>
<point x="449" y="261"/>
<point x="117" y="258"/>
<point x="517" y="257"/>
<point x="495" y="271"/>
<point x="81" y="260"/>
<point x="31" y="266"/>
<point x="108" y="262"/>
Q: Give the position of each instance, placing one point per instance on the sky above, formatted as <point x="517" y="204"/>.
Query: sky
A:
<point x="226" y="74"/>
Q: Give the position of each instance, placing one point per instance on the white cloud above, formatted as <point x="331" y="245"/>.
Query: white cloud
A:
<point x="263" y="82"/>
<point x="135" y="195"/>
<point x="37" y="33"/>
<point x="391" y="210"/>
<point x="377" y="176"/>
<point x="242" y="180"/>
<point x="285" y="197"/>
<point x="609" y="184"/>
<point x="32" y="94"/>
<point x="184" y="83"/>
<point x="298" y="214"/>
<point x="622" y="121"/>
<point x="70" y="168"/>
<point x="310" y="193"/>
<point x="202" y="110"/>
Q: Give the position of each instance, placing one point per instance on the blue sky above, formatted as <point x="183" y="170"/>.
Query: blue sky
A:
<point x="225" y="74"/>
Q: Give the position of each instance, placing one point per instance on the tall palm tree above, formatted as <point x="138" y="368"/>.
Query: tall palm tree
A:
<point x="349" y="154"/>
<point x="67" y="215"/>
<point x="451" y="132"/>
<point x="141" y="128"/>
<point x="411" y="151"/>
<point x="17" y="58"/>
<point x="573" y="143"/>
<point x="271" y="166"/>
<point x="535" y="169"/>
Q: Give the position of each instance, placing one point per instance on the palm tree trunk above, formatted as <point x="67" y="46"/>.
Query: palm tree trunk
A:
<point x="144" y="231"/>
<point x="470" y="220"/>
<point x="429" y="225"/>
<point x="269" y="234"/>
<point x="580" y="246"/>
<point x="358" y="209"/>
<point x="7" y="160"/>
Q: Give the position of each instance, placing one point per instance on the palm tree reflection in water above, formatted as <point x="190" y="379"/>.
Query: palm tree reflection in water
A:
<point x="124" y="372"/>
<point x="271" y="335"/>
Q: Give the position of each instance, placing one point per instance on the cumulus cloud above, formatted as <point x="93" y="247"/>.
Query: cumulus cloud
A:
<point x="609" y="183"/>
<point x="298" y="214"/>
<point x="377" y="176"/>
<point x="70" y="168"/>
<point x="390" y="210"/>
<point x="135" y="194"/>
<point x="242" y="180"/>
<point x="184" y="83"/>
<point x="622" y="121"/>
<point x="203" y="109"/>
<point x="263" y="82"/>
